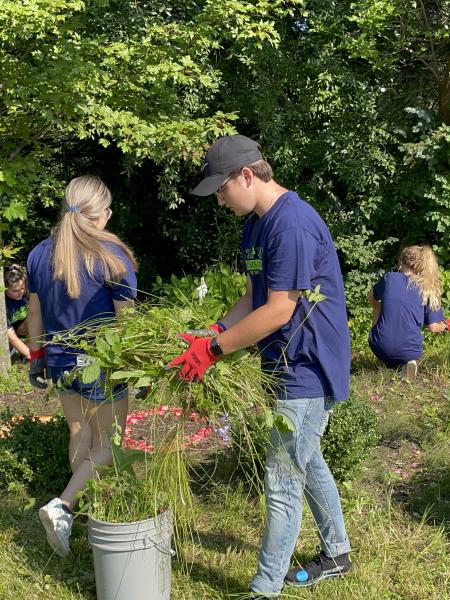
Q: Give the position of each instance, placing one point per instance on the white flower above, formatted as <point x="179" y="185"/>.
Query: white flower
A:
<point x="202" y="290"/>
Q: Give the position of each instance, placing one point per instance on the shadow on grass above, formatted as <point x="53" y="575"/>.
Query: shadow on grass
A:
<point x="364" y="362"/>
<point x="216" y="578"/>
<point x="427" y="497"/>
<point x="229" y="469"/>
<point x="222" y="542"/>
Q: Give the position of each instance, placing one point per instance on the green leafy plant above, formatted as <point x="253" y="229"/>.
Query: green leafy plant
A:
<point x="351" y="433"/>
<point x="445" y="278"/>
<point x="13" y="470"/>
<point x="224" y="284"/>
<point x="138" y="485"/>
<point x="141" y="485"/>
<point x="42" y="446"/>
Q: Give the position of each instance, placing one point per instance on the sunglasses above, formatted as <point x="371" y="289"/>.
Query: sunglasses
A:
<point x="223" y="187"/>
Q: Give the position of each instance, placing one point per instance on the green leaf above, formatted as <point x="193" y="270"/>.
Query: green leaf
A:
<point x="283" y="423"/>
<point x="269" y="418"/>
<point x="127" y="374"/>
<point x="91" y="373"/>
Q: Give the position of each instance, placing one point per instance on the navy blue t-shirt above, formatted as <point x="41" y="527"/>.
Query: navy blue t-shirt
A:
<point x="290" y="248"/>
<point x="60" y="312"/>
<point x="397" y="336"/>
<point x="16" y="311"/>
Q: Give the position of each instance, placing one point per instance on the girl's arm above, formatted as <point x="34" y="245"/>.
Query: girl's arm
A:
<point x="438" y="327"/>
<point x="17" y="343"/>
<point x="119" y="305"/>
<point x="376" y="307"/>
<point x="35" y="325"/>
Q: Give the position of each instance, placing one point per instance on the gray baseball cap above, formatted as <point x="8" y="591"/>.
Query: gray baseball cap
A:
<point x="226" y="155"/>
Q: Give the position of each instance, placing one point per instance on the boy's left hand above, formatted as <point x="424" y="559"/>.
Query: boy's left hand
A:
<point x="196" y="359"/>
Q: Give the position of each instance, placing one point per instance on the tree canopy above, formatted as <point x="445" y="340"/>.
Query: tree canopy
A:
<point x="350" y="101"/>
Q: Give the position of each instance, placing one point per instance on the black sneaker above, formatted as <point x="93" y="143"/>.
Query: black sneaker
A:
<point x="320" y="567"/>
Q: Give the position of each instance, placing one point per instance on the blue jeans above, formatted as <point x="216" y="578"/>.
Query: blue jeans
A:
<point x="295" y="466"/>
<point x="95" y="391"/>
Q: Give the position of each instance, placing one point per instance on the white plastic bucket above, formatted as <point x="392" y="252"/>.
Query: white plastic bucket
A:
<point x="132" y="561"/>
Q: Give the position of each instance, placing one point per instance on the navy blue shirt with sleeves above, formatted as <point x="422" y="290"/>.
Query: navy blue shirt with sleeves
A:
<point x="290" y="248"/>
<point x="397" y="337"/>
<point x="60" y="312"/>
<point x="16" y="311"/>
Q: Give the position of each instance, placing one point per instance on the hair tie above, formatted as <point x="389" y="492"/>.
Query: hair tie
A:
<point x="13" y="268"/>
<point x="72" y="208"/>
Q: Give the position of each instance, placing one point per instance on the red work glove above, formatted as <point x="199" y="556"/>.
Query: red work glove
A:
<point x="220" y="327"/>
<point x="196" y="359"/>
<point x="447" y="322"/>
<point x="37" y="373"/>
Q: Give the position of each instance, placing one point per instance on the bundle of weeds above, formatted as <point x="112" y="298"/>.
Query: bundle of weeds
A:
<point x="136" y="348"/>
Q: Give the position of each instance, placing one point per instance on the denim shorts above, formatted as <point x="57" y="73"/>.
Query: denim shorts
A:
<point x="94" y="391"/>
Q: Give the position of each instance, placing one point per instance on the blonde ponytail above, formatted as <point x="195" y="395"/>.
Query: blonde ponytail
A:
<point x="420" y="264"/>
<point x="78" y="242"/>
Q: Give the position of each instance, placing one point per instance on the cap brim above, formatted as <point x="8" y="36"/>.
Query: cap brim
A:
<point x="209" y="185"/>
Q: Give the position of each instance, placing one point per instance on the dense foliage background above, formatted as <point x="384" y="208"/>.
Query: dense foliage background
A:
<point x="350" y="101"/>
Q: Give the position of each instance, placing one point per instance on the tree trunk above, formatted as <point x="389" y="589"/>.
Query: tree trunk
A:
<point x="444" y="96"/>
<point x="5" y="360"/>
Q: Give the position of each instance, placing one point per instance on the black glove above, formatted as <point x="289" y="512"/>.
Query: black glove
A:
<point x="142" y="392"/>
<point x="37" y="374"/>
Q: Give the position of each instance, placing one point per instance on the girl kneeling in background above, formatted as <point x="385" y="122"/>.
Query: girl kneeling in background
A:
<point x="16" y="309"/>
<point x="403" y="302"/>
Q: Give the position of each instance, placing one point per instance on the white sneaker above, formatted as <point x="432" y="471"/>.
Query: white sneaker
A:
<point x="409" y="371"/>
<point x="58" y="525"/>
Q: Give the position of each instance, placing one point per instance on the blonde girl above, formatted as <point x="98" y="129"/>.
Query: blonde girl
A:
<point x="403" y="302"/>
<point x="80" y="274"/>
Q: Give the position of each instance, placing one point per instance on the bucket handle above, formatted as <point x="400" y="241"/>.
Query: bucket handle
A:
<point x="148" y="541"/>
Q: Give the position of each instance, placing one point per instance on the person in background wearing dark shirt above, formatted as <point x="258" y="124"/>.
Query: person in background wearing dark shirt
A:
<point x="80" y="274"/>
<point x="403" y="302"/>
<point x="16" y="308"/>
<point x="286" y="249"/>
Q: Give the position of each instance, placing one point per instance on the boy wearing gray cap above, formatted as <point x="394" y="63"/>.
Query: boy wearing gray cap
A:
<point x="287" y="249"/>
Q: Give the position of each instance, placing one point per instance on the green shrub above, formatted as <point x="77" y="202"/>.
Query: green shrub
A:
<point x="352" y="431"/>
<point x="445" y="277"/>
<point x="12" y="469"/>
<point x="42" y="446"/>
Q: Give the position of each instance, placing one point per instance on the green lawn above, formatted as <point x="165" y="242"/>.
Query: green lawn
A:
<point x="397" y="512"/>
